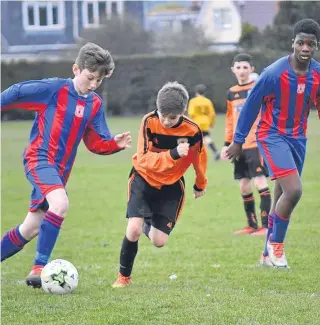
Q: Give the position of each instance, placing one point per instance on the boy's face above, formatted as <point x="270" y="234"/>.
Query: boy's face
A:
<point x="242" y="71"/>
<point x="169" y="120"/>
<point x="86" y="81"/>
<point x="304" y="46"/>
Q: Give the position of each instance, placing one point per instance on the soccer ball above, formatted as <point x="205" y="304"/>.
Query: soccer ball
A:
<point x="59" y="277"/>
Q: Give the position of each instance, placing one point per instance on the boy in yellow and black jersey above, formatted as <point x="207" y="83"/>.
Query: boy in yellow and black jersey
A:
<point x="201" y="110"/>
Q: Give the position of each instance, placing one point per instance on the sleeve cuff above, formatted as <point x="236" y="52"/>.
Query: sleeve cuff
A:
<point x="174" y="154"/>
<point x="196" y="188"/>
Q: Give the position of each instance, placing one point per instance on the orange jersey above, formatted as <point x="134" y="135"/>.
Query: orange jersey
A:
<point x="155" y="160"/>
<point x="235" y="100"/>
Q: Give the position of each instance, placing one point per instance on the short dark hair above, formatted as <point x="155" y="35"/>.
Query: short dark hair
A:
<point x="243" y="57"/>
<point x="172" y="98"/>
<point x="94" y="58"/>
<point x="200" y="89"/>
<point x="307" y="26"/>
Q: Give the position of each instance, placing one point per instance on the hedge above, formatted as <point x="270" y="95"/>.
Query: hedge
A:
<point x="133" y="87"/>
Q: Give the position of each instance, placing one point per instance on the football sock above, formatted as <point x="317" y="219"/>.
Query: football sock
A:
<point x="249" y="207"/>
<point x="48" y="234"/>
<point x="265" y="205"/>
<point x="128" y="253"/>
<point x="11" y="243"/>
<point x="270" y="227"/>
<point x="280" y="226"/>
<point x="213" y="147"/>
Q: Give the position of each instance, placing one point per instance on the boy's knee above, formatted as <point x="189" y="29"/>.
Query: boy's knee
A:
<point x="158" y="241"/>
<point x="134" y="231"/>
<point x="60" y="207"/>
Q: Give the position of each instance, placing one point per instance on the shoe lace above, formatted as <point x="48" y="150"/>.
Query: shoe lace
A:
<point x="123" y="279"/>
<point x="278" y="249"/>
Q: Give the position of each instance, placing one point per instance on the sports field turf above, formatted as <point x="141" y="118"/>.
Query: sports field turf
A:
<point x="218" y="277"/>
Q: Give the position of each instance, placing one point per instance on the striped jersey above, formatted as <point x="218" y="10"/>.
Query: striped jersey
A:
<point x="236" y="97"/>
<point x="157" y="160"/>
<point x="285" y="100"/>
<point x="62" y="119"/>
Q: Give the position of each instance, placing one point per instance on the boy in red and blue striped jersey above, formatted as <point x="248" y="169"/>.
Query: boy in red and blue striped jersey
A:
<point x="286" y="90"/>
<point x="67" y="111"/>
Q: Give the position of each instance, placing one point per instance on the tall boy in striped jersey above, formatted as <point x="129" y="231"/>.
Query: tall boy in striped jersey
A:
<point x="286" y="90"/>
<point x="168" y="144"/>
<point x="250" y="166"/>
<point x="67" y="110"/>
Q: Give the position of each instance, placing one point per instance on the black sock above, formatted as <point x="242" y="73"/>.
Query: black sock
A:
<point x="128" y="253"/>
<point x="248" y="201"/>
<point x="265" y="205"/>
<point x="213" y="147"/>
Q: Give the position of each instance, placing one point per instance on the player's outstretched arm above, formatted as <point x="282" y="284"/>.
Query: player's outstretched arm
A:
<point x="252" y="106"/>
<point x="98" y="138"/>
<point x="28" y="95"/>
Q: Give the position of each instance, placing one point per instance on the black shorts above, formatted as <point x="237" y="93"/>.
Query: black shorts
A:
<point x="250" y="165"/>
<point x="206" y="133"/>
<point x="162" y="207"/>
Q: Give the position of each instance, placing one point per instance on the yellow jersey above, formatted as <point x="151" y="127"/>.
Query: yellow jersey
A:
<point x="202" y="112"/>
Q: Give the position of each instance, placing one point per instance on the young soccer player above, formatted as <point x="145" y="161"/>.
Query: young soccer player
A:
<point x="201" y="111"/>
<point x="286" y="90"/>
<point x="67" y="110"/>
<point x="168" y="144"/>
<point x="250" y="166"/>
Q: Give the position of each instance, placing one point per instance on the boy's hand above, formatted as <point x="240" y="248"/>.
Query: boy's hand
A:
<point x="123" y="140"/>
<point x="183" y="149"/>
<point x="197" y="194"/>
<point x="223" y="153"/>
<point x="234" y="151"/>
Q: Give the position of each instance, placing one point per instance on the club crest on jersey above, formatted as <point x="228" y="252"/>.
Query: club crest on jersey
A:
<point x="79" y="111"/>
<point x="182" y="140"/>
<point x="301" y="88"/>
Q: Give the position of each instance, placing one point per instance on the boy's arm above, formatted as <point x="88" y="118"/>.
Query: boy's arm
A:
<point x="153" y="161"/>
<point x="252" y="107"/>
<point x="200" y="166"/>
<point x="229" y="124"/>
<point x="317" y="102"/>
<point x="97" y="136"/>
<point x="29" y="95"/>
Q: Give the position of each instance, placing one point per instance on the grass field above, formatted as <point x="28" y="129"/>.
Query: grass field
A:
<point x="218" y="277"/>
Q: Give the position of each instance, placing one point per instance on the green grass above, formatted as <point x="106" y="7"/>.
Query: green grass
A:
<point x="235" y="292"/>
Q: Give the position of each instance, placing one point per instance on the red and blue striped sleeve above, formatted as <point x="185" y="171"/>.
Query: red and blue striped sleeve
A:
<point x="252" y="105"/>
<point x="97" y="136"/>
<point x="32" y="95"/>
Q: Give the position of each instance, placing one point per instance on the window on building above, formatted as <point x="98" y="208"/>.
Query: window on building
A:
<point x="222" y="18"/>
<point x="43" y="15"/>
<point x="95" y="12"/>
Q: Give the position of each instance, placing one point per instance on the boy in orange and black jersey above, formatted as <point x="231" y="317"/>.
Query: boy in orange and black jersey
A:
<point x="168" y="144"/>
<point x="250" y="165"/>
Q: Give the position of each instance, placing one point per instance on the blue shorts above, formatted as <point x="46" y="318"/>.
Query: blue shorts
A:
<point x="44" y="179"/>
<point x="283" y="156"/>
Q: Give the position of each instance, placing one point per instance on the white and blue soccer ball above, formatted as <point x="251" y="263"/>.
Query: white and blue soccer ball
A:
<point x="59" y="277"/>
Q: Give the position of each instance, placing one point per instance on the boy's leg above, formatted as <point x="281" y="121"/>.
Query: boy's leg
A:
<point x="286" y="169"/>
<point x="241" y="173"/>
<point x="16" y="238"/>
<point x="46" y="180"/>
<point x="208" y="141"/>
<point x="137" y="209"/>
